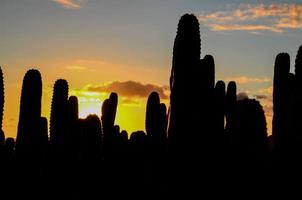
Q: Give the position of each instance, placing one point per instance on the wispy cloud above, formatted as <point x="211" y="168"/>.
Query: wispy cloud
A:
<point x="71" y="4"/>
<point x="246" y="79"/>
<point x="259" y="17"/>
<point x="130" y="89"/>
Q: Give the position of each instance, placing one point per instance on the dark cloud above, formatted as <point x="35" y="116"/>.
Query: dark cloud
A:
<point x="130" y="89"/>
<point x="260" y="97"/>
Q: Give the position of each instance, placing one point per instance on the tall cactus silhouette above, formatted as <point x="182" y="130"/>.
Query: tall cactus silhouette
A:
<point x="184" y="80"/>
<point x="219" y="108"/>
<point x="296" y="128"/>
<point x="281" y="102"/>
<point x="30" y="113"/>
<point x="58" y="115"/>
<point x="2" y="136"/>
<point x="230" y="112"/>
<point x="108" y="117"/>
<point x="74" y="129"/>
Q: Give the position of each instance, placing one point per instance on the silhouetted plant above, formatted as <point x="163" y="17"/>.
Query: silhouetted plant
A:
<point x="30" y="113"/>
<point x="251" y="125"/>
<point x="219" y="110"/>
<point x="91" y="138"/>
<point x="230" y="112"/>
<point x="2" y="136"/>
<point x="184" y="79"/>
<point x="156" y="120"/>
<point x="74" y="130"/>
<point x="108" y="117"/>
<point x="281" y="102"/>
<point x="58" y="115"/>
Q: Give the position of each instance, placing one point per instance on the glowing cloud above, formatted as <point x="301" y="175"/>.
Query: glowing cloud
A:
<point x="130" y="89"/>
<point x="246" y="80"/>
<point x="68" y="4"/>
<point x="260" y="17"/>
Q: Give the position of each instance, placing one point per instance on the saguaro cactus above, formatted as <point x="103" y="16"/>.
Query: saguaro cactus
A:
<point x="251" y="124"/>
<point x="30" y="113"/>
<point x="281" y="100"/>
<point x="296" y="133"/>
<point x="91" y="138"/>
<point x="183" y="81"/>
<point x="230" y="112"/>
<point x="2" y="136"/>
<point x="108" y="117"/>
<point x="109" y="112"/>
<point x="58" y="115"/>
<point x="153" y="122"/>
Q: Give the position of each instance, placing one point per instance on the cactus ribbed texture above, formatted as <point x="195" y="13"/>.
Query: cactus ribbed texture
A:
<point x="184" y="80"/>
<point x="59" y="115"/>
<point x="30" y="113"/>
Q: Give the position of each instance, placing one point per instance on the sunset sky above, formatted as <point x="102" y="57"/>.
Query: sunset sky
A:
<point x="126" y="46"/>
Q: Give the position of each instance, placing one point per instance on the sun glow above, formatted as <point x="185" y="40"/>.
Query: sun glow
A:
<point x="88" y="108"/>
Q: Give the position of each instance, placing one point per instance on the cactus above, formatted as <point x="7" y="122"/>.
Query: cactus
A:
<point x="251" y="134"/>
<point x="296" y="128"/>
<point x="184" y="80"/>
<point x="208" y="73"/>
<point x="281" y="102"/>
<point x="298" y="64"/>
<point x="230" y="108"/>
<point x="109" y="112"/>
<point x="73" y="109"/>
<point x="2" y="136"/>
<point x="108" y="117"/>
<point x="219" y="108"/>
<point x="30" y="113"/>
<point x="74" y="129"/>
<point x="156" y="124"/>
<point x="58" y="115"/>
<point x="91" y="138"/>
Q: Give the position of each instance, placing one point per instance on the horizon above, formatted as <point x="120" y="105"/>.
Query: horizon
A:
<point x="99" y="47"/>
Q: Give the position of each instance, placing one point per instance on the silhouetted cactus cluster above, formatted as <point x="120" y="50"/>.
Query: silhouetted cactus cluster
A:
<point x="206" y="136"/>
<point x="287" y="99"/>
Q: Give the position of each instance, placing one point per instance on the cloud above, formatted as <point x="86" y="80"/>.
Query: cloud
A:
<point x="260" y="96"/>
<point x="130" y="89"/>
<point x="71" y="4"/>
<point x="259" y="17"/>
<point x="76" y="67"/>
<point x="238" y="27"/>
<point x="245" y="79"/>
